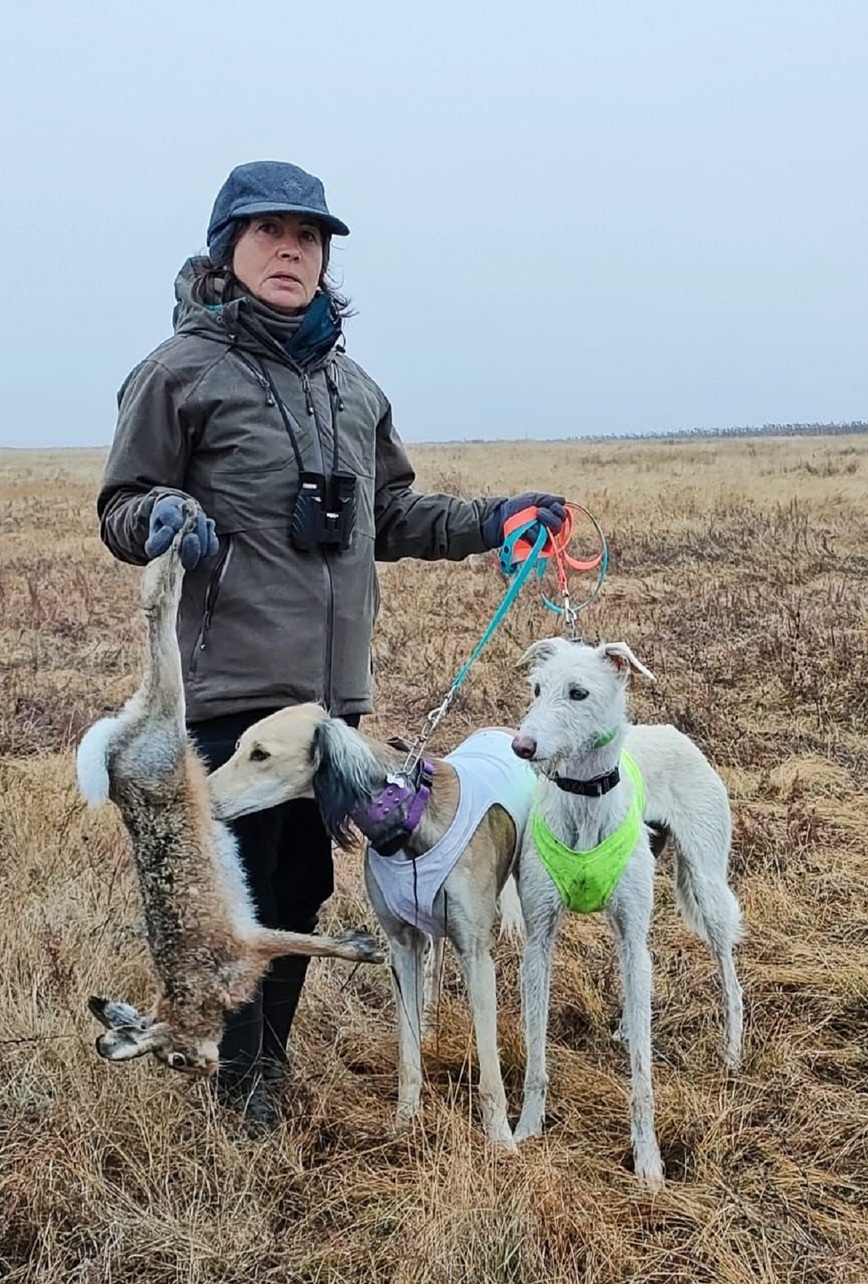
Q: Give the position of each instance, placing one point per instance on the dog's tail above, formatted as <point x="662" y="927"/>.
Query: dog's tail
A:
<point x="701" y="825"/>
<point x="91" y="762"/>
<point x="511" y="917"/>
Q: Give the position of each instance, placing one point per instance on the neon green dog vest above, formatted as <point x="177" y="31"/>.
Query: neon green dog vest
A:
<point x="586" y="880"/>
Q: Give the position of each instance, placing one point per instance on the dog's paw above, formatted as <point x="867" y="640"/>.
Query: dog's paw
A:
<point x="527" y="1128"/>
<point x="652" y="1181"/>
<point x="503" y="1140"/>
<point x="407" y="1112"/>
<point x="649" y="1172"/>
<point x="732" y="1056"/>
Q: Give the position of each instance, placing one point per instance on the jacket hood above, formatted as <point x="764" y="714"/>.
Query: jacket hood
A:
<point x="202" y="311"/>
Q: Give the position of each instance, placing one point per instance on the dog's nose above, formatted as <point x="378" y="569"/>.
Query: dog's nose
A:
<point x="524" y="747"/>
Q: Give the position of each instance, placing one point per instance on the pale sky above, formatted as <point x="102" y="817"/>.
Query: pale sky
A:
<point x="568" y="217"/>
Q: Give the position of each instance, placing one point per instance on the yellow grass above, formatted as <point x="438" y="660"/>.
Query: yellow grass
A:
<point x="738" y="575"/>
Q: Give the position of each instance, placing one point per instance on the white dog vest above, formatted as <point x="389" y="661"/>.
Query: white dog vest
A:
<point x="489" y="774"/>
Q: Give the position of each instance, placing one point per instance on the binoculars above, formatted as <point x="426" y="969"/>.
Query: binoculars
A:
<point x="324" y="512"/>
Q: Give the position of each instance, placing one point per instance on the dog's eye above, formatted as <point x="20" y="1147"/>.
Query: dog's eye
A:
<point x="536" y="690"/>
<point x="578" y="693"/>
<point x="258" y="754"/>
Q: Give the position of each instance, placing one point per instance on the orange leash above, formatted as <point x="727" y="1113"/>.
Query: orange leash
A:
<point x="555" y="550"/>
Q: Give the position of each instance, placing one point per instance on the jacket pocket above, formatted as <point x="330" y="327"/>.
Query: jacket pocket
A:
<point x="243" y="499"/>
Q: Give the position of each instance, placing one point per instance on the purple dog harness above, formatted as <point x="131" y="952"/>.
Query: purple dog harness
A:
<point x="389" y="819"/>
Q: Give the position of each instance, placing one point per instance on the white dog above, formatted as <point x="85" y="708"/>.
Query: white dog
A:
<point x="588" y="847"/>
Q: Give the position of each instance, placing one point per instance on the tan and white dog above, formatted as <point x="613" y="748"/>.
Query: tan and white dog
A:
<point x="451" y="833"/>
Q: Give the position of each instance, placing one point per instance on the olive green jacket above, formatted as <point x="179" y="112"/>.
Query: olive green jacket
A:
<point x="262" y="625"/>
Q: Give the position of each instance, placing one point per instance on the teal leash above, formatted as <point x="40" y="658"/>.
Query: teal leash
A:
<point x="507" y="565"/>
<point x="519" y="576"/>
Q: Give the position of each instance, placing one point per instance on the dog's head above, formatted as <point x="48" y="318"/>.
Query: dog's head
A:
<point x="274" y="762"/>
<point x="129" y="1034"/>
<point x="579" y="698"/>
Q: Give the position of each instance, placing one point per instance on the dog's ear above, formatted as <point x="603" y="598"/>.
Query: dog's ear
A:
<point x="343" y="777"/>
<point x="125" y="1043"/>
<point x="623" y="659"/>
<point x="538" y="652"/>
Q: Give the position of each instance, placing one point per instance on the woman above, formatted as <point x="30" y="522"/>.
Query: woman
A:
<point x="253" y="408"/>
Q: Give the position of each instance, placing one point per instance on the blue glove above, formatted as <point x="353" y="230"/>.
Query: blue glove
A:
<point x="550" y="511"/>
<point x="167" y="518"/>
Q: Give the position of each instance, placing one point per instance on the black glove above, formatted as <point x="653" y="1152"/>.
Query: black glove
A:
<point x="167" y="518"/>
<point x="549" y="509"/>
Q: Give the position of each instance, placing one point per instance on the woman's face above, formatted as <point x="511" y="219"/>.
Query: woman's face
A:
<point x="278" y="257"/>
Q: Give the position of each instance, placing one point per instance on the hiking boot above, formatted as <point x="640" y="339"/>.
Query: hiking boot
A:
<point x="274" y="1071"/>
<point x="248" y="1099"/>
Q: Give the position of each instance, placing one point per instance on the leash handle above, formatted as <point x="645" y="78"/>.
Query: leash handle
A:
<point x="517" y="551"/>
<point x="555" y="546"/>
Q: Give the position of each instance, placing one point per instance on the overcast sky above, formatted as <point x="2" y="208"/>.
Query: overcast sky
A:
<point x="567" y="217"/>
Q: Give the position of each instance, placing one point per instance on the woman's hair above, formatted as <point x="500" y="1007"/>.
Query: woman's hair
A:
<point x="221" y="275"/>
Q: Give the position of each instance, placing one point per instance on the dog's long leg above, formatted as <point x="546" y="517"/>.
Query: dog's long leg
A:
<point x="699" y="820"/>
<point x="408" y="948"/>
<point x="433" y="980"/>
<point x="629" y="916"/>
<point x="541" y="907"/>
<point x="478" y="969"/>
<point x="711" y="910"/>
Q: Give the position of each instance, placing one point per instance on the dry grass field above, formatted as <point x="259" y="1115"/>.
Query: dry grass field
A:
<point x="739" y="573"/>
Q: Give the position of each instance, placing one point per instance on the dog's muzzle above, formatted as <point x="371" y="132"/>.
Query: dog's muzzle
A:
<point x="389" y="819"/>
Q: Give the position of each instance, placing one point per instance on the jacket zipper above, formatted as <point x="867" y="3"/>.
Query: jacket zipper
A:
<point x="329" y="577"/>
<point x="308" y="395"/>
<point x="335" y="404"/>
<point x="260" y="378"/>
<point x="211" y="594"/>
<point x="327" y="570"/>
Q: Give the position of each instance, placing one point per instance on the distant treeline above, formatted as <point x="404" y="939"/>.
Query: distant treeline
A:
<point x="767" y="430"/>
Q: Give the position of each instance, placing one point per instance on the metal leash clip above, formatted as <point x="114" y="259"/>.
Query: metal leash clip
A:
<point x="571" y="617"/>
<point x="433" y="720"/>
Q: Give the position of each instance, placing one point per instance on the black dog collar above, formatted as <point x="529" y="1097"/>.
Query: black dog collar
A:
<point x="594" y="788"/>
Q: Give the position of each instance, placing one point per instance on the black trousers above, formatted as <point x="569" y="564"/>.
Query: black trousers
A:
<point x="287" y="856"/>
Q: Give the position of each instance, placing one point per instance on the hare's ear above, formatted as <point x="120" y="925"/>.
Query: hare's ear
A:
<point x="112" y="1013"/>
<point x="125" y="1043"/>
<point x="129" y="1033"/>
<point x="539" y="652"/>
<point x="623" y="659"/>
